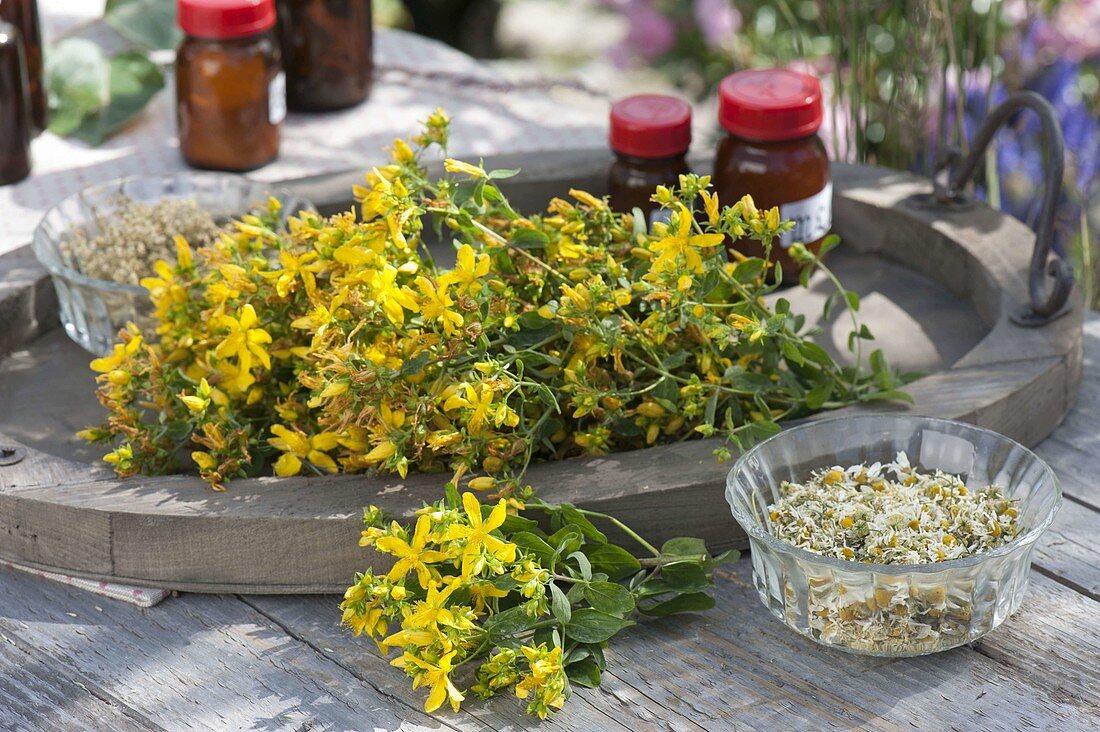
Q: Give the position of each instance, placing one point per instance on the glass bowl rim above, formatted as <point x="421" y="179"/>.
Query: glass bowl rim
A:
<point x="754" y="530"/>
<point x="62" y="270"/>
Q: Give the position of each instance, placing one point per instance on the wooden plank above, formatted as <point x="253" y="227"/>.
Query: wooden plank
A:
<point x="37" y="693"/>
<point x="315" y="621"/>
<point x="1069" y="549"/>
<point x="736" y="667"/>
<point x="199" y="662"/>
<point x="28" y="305"/>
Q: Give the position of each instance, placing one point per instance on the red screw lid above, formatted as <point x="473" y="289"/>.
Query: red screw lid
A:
<point x="650" y="126"/>
<point x="770" y="104"/>
<point x="225" y="18"/>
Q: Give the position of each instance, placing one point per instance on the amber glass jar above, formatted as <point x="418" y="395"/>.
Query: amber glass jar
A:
<point x="773" y="153"/>
<point x="15" y="107"/>
<point x="23" y="14"/>
<point x="327" y="52"/>
<point x="230" y="88"/>
<point x="650" y="136"/>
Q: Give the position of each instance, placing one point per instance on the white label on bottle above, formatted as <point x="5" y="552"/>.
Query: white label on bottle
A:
<point x="812" y="217"/>
<point x="276" y="99"/>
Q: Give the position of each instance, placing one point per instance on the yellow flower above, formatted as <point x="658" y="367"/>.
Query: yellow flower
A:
<point x="437" y="677"/>
<point x="588" y="198"/>
<point x="683" y="243"/>
<point x="435" y="305"/>
<point x="457" y="166"/>
<point x="244" y="340"/>
<point x="710" y="203"/>
<point x="394" y="299"/>
<point x="297" y="446"/>
<point x="482" y="592"/>
<point x="479" y="402"/>
<point x="477" y="535"/>
<point x="468" y="271"/>
<point x="204" y="460"/>
<point x="412" y="555"/>
<point x="120" y="355"/>
<point x="428" y="613"/>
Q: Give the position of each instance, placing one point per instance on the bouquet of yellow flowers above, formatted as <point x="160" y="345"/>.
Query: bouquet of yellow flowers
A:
<point x="477" y="594"/>
<point x="326" y="344"/>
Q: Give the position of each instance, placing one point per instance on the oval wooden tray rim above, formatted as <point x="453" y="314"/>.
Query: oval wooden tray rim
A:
<point x="298" y="534"/>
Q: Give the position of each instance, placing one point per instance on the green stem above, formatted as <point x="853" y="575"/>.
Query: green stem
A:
<point x="624" y="528"/>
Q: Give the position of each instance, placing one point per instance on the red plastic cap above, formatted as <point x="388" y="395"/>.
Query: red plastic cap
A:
<point x="650" y="126"/>
<point x="770" y="104"/>
<point x="225" y="18"/>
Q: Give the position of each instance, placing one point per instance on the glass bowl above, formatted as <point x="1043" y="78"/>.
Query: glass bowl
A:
<point x="94" y="310"/>
<point x="891" y="609"/>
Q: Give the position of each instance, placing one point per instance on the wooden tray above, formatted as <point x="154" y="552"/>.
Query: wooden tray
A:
<point x="937" y="289"/>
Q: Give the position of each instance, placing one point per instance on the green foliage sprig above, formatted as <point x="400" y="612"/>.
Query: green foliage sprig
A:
<point x="483" y="595"/>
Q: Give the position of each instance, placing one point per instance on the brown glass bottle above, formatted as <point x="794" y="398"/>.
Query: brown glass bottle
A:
<point x="15" y="107"/>
<point x="650" y="136"/>
<point x="23" y="14"/>
<point x="773" y="154"/>
<point x="230" y="88"/>
<point x="327" y="52"/>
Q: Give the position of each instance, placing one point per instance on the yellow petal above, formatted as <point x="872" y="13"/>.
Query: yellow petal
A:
<point x="287" y="465"/>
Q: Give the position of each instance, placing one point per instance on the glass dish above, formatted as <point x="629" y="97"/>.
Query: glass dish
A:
<point x="891" y="609"/>
<point x="94" y="310"/>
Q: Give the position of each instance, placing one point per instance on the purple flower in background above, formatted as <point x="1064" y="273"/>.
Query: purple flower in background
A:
<point x="650" y="34"/>
<point x="1072" y="32"/>
<point x="718" y="21"/>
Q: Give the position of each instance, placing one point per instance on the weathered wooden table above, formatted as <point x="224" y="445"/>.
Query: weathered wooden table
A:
<point x="70" y="660"/>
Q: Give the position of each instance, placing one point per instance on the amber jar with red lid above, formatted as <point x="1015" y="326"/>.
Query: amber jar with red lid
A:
<point x="772" y="152"/>
<point x="230" y="88"/>
<point x="650" y="136"/>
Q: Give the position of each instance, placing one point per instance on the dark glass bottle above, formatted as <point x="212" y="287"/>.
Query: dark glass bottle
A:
<point x="327" y="52"/>
<point x="15" y="107"/>
<point x="650" y="136"/>
<point x="773" y="153"/>
<point x="230" y="88"/>
<point x="23" y="14"/>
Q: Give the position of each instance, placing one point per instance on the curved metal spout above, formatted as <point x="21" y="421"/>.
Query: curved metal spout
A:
<point x="1048" y="297"/>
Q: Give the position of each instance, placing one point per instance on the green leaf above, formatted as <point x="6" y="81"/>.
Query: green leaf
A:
<point x="609" y="597"/>
<point x="685" y="546"/>
<point x="508" y="622"/>
<point x="813" y="352"/>
<point x="512" y="524"/>
<point x="792" y="354"/>
<point x="503" y="173"/>
<point x="589" y="625"/>
<point x="529" y="239"/>
<point x="853" y="300"/>
<point x="585" y="672"/>
<point x="690" y="603"/>
<point x="133" y="80"/>
<point x="559" y="605"/>
<point x="611" y="559"/>
<point x="565" y="540"/>
<point x="567" y="514"/>
<point x="148" y="23"/>
<point x="892" y="395"/>
<point x="820" y="394"/>
<point x="832" y="241"/>
<point x="583" y="565"/>
<point x="450" y="494"/>
<point x="533" y="545"/>
<point x="78" y="78"/>
<point x="415" y="365"/>
<point x="685" y="576"/>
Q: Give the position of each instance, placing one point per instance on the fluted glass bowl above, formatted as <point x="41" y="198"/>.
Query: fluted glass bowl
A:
<point x="891" y="609"/>
<point x="94" y="310"/>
